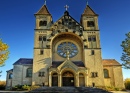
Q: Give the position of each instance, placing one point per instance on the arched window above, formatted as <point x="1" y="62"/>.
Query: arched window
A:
<point x="29" y="72"/>
<point x="106" y="73"/>
<point x="42" y="23"/>
<point x="10" y="76"/>
<point x="90" y="24"/>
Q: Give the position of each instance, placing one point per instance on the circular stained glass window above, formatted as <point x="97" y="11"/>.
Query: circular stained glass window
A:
<point x="67" y="46"/>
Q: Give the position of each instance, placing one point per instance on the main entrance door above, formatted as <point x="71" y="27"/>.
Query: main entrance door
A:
<point x="68" y="79"/>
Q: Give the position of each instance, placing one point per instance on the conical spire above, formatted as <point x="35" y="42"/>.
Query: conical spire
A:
<point x="89" y="11"/>
<point x="43" y="10"/>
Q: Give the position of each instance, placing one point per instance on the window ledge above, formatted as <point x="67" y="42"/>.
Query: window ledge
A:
<point x="107" y="77"/>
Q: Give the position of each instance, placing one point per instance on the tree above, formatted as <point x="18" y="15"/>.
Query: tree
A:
<point x="126" y="52"/>
<point x="4" y="52"/>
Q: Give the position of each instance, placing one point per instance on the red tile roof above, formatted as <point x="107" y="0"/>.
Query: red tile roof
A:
<point x="110" y="62"/>
<point x="43" y="10"/>
<point x="89" y="11"/>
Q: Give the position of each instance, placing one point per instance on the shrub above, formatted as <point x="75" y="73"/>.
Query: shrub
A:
<point x="34" y="87"/>
<point x="21" y="87"/>
<point x="127" y="83"/>
<point x="108" y="88"/>
<point x="26" y="87"/>
<point x="2" y="85"/>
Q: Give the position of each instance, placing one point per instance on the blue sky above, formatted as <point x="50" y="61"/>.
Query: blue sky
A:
<point x="17" y="24"/>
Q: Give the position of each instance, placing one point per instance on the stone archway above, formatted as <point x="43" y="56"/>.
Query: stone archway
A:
<point x="54" y="79"/>
<point x="68" y="78"/>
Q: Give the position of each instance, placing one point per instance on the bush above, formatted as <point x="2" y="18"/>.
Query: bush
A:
<point x="127" y="83"/>
<point x="26" y="87"/>
<point x="34" y="87"/>
<point x="21" y="87"/>
<point x="112" y="88"/>
<point x="2" y="85"/>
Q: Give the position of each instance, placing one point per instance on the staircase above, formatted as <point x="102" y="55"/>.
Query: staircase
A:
<point x="68" y="90"/>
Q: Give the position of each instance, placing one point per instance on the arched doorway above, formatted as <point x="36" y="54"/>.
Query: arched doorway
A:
<point x="81" y="80"/>
<point x="68" y="78"/>
<point x="54" y="79"/>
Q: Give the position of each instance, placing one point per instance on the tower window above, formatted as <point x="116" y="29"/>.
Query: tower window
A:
<point x="41" y="52"/>
<point x="92" y="52"/>
<point x="42" y="23"/>
<point x="90" y="24"/>
<point x="41" y="74"/>
<point x="89" y="38"/>
<point x="94" y="38"/>
<point x="44" y="38"/>
<point x="94" y="74"/>
<point x="40" y="38"/>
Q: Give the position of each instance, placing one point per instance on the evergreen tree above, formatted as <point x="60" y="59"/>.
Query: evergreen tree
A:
<point x="126" y="52"/>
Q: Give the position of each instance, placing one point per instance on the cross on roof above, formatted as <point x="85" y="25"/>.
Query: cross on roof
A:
<point x="44" y="2"/>
<point x="66" y="7"/>
<point x="87" y="2"/>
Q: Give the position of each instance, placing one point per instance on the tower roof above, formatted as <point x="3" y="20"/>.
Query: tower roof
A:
<point x="89" y="11"/>
<point x="43" y="11"/>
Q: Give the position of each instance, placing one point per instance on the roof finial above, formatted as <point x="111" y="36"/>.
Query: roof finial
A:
<point x="44" y="2"/>
<point x="87" y="2"/>
<point x="66" y="7"/>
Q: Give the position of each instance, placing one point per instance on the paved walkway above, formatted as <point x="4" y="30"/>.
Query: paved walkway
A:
<point x="59" y="92"/>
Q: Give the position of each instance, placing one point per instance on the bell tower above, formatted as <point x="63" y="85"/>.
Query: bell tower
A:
<point x="92" y="53"/>
<point x="41" y="58"/>
<point x="89" y="19"/>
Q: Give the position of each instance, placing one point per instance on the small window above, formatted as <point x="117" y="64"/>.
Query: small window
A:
<point x="41" y="52"/>
<point x="92" y="52"/>
<point x="41" y="74"/>
<point x="44" y="38"/>
<point x="94" y="74"/>
<point x="29" y="72"/>
<point x="43" y="23"/>
<point x="94" y="38"/>
<point x="90" y="24"/>
<point x="106" y="73"/>
<point x="89" y="38"/>
<point x="40" y="38"/>
<point x="10" y="76"/>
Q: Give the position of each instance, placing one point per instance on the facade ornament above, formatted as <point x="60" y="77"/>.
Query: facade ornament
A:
<point x="67" y="54"/>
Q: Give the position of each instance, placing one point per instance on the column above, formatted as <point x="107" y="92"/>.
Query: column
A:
<point x="86" y="79"/>
<point x="50" y="80"/>
<point x="59" y="80"/>
<point x="77" y="80"/>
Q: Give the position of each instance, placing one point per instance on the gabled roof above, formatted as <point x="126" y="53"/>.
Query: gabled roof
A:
<point x="10" y="70"/>
<point x="66" y="13"/>
<point x="43" y="11"/>
<point x="110" y="62"/>
<point x="24" y="61"/>
<point x="89" y="11"/>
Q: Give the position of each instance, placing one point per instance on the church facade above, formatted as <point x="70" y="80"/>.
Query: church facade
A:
<point x="66" y="53"/>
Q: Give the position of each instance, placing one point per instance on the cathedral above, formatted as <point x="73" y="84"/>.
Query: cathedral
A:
<point x="66" y="53"/>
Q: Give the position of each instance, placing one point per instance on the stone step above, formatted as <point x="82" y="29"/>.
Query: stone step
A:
<point x="68" y="89"/>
